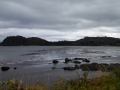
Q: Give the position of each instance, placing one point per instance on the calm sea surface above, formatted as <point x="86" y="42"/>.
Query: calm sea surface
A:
<point x="37" y="60"/>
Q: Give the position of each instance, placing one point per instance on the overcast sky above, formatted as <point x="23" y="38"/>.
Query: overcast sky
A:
<point x="55" y="20"/>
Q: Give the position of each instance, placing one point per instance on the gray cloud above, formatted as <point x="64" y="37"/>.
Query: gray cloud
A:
<point x="62" y="18"/>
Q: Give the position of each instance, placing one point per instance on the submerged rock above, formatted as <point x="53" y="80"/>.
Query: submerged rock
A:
<point x="77" y="62"/>
<point x="106" y="56"/>
<point x="67" y="60"/>
<point x="69" y="68"/>
<point x="15" y="68"/>
<point x="92" y="67"/>
<point x="86" y="60"/>
<point x="83" y="59"/>
<point x="77" y="67"/>
<point x="55" y="61"/>
<point x="53" y="67"/>
<point x="5" y="68"/>
<point x="85" y="67"/>
<point x="78" y="58"/>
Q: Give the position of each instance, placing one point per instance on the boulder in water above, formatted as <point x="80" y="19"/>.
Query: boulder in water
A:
<point x="68" y="60"/>
<point x="55" y="61"/>
<point x="15" y="68"/>
<point x="5" y="68"/>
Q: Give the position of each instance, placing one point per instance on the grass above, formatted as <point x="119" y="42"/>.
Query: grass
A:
<point x="106" y="82"/>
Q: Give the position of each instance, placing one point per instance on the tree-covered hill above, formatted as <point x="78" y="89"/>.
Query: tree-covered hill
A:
<point x="36" y="41"/>
<point x="87" y="41"/>
<point x="99" y="41"/>
<point x="14" y="41"/>
<point x="19" y="40"/>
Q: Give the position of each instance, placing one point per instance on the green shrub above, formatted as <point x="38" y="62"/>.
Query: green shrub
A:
<point x="106" y="82"/>
<point x="117" y="72"/>
<point x="11" y="85"/>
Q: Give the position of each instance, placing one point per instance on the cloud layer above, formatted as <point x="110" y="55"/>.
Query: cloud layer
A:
<point x="59" y="19"/>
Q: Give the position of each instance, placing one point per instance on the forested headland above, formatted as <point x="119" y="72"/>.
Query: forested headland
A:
<point x="35" y="41"/>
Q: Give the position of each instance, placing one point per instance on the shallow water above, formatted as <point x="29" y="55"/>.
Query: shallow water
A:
<point x="45" y="54"/>
<point x="36" y="61"/>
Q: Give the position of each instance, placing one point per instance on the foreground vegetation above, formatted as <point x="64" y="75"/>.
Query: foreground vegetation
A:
<point x="106" y="82"/>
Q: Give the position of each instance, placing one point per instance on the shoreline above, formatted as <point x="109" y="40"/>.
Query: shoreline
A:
<point x="32" y="75"/>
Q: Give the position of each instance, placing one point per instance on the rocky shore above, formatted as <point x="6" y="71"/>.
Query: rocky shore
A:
<point x="79" y="63"/>
<point x="99" y="67"/>
<point x="87" y="66"/>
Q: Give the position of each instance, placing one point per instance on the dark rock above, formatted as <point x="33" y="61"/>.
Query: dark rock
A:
<point x="83" y="59"/>
<point x="90" y="67"/>
<point x="105" y="56"/>
<point x="77" y="62"/>
<point x="5" y="68"/>
<point x="55" y="61"/>
<point x="86" y="60"/>
<point x="53" y="67"/>
<point x="78" y="58"/>
<point x="77" y="67"/>
<point x="15" y="68"/>
<point x="94" y="67"/>
<point x="99" y="67"/>
<point x="85" y="67"/>
<point x="68" y="60"/>
<point x="115" y="64"/>
<point x="69" y="68"/>
<point x="94" y="63"/>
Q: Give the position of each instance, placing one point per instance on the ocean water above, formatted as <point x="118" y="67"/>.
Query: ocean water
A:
<point x="22" y="54"/>
<point x="37" y="60"/>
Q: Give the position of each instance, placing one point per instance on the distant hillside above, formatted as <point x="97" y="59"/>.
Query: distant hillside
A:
<point x="99" y="41"/>
<point x="14" y="41"/>
<point x="19" y="40"/>
<point x="87" y="41"/>
<point x="63" y="43"/>
<point x="36" y="41"/>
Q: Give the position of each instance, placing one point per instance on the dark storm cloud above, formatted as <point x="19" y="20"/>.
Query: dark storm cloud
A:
<point x="62" y="16"/>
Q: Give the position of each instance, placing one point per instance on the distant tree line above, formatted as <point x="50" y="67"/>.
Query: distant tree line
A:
<point x="87" y="41"/>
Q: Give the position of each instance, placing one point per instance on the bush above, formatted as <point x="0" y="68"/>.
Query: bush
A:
<point x="106" y="82"/>
<point x="11" y="85"/>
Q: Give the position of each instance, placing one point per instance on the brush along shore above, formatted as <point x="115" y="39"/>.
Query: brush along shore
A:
<point x="106" y="82"/>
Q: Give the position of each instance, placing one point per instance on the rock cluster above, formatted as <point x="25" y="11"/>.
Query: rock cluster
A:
<point x="75" y="60"/>
<point x="99" y="67"/>
<point x="6" y="68"/>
